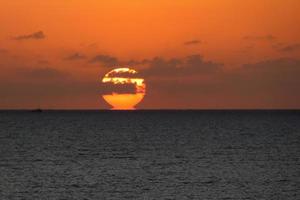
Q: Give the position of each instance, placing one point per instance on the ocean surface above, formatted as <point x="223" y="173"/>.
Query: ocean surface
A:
<point x="87" y="155"/>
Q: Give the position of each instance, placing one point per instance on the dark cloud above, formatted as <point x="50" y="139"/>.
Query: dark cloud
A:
<point x="180" y="67"/>
<point x="106" y="60"/>
<point x="34" y="36"/>
<point x="23" y="87"/>
<point x="3" y="50"/>
<point x="93" y="45"/>
<point x="28" y="93"/>
<point x="135" y="62"/>
<point x="260" y="38"/>
<point x="278" y="45"/>
<point x="110" y="88"/>
<point x="267" y="84"/>
<point x="277" y="81"/>
<point x="43" y="73"/>
<point x="192" y="65"/>
<point x="284" y="69"/>
<point x="123" y="75"/>
<point x="188" y="82"/>
<point x="192" y="42"/>
<point x="43" y="62"/>
<point x="111" y="61"/>
<point x="290" y="48"/>
<point x="75" y="56"/>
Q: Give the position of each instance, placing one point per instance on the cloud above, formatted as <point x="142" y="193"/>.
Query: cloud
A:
<point x="23" y="87"/>
<point x="276" y="81"/>
<point x="93" y="45"/>
<point x="106" y="60"/>
<point x="110" y="88"/>
<point x="159" y="67"/>
<point x="188" y="82"/>
<point x="268" y="84"/>
<point x="112" y="61"/>
<point x="135" y="62"/>
<point x="43" y="73"/>
<point x="75" y="56"/>
<point x="283" y="69"/>
<point x="192" y="42"/>
<point x="290" y="48"/>
<point x="260" y="38"/>
<point x="2" y="51"/>
<point x="34" y="36"/>
<point x="43" y="62"/>
<point x="61" y="93"/>
<point x="123" y="75"/>
<point x="180" y="67"/>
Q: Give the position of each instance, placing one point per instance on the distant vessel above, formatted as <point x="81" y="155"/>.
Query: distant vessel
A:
<point x="37" y="110"/>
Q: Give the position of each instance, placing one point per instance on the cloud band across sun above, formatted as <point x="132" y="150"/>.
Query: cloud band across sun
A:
<point x="123" y="89"/>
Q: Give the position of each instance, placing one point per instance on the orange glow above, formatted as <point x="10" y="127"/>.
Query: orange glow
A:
<point x="124" y="101"/>
<point x="61" y="70"/>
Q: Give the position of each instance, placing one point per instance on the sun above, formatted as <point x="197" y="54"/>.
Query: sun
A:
<point x="123" y="89"/>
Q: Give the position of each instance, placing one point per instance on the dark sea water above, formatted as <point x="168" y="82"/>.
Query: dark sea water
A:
<point x="150" y="155"/>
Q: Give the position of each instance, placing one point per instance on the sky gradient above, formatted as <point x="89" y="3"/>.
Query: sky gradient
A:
<point x="202" y="54"/>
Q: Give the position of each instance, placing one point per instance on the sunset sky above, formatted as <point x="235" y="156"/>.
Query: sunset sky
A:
<point x="204" y="54"/>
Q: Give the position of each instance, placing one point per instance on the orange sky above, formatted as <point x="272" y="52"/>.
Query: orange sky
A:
<point x="234" y="35"/>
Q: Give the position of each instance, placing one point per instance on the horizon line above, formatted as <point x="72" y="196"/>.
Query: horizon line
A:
<point x="158" y="109"/>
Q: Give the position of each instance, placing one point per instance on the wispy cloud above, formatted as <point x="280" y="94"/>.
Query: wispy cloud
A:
<point x="180" y="67"/>
<point x="106" y="60"/>
<point x="192" y="42"/>
<point x="75" y="56"/>
<point x="3" y="50"/>
<point x="271" y="84"/>
<point x="290" y="48"/>
<point x="44" y="73"/>
<point x="260" y="38"/>
<point x="34" y="36"/>
<point x="43" y="62"/>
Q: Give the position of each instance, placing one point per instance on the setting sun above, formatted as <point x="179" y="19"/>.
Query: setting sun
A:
<point x="124" y="89"/>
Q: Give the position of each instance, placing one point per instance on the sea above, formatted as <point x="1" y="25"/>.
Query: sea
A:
<point x="162" y="154"/>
